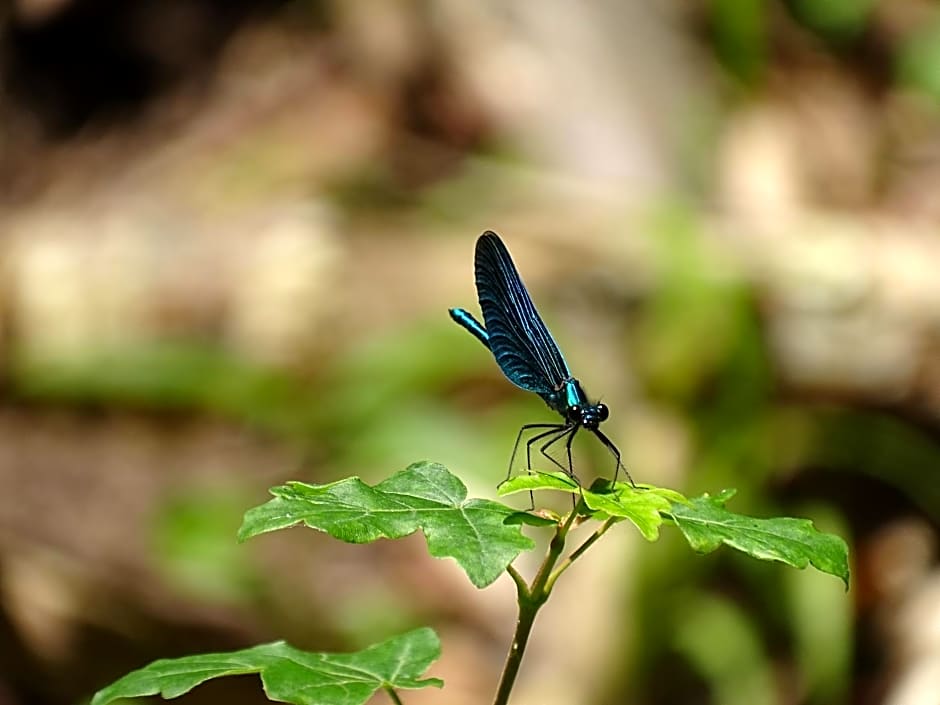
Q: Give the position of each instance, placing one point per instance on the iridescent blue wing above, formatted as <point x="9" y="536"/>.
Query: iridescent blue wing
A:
<point x="524" y="349"/>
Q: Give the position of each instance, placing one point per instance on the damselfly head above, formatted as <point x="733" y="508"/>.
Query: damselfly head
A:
<point x="589" y="416"/>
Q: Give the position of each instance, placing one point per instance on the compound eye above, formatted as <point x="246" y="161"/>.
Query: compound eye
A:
<point x="602" y="412"/>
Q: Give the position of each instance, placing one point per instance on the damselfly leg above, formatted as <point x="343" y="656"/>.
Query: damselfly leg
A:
<point x="564" y="432"/>
<point x="515" y="446"/>
<point x="615" y="451"/>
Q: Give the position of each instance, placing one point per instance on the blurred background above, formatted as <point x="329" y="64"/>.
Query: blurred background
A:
<point x="229" y="234"/>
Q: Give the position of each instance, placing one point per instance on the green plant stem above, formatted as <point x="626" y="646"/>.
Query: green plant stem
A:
<point x="531" y="600"/>
<point x="565" y="564"/>
<point x="527" y="613"/>
<point x="537" y="591"/>
<point x="522" y="589"/>
<point x="394" y="696"/>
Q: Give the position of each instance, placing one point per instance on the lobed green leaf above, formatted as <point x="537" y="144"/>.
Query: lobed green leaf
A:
<point x="528" y="482"/>
<point x="704" y="521"/>
<point x="643" y="505"/>
<point x="706" y="524"/>
<point x="290" y="675"/>
<point x="475" y="532"/>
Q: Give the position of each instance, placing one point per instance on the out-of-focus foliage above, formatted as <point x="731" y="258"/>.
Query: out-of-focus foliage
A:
<point x="741" y="37"/>
<point x="193" y="542"/>
<point x="837" y="20"/>
<point x="919" y="60"/>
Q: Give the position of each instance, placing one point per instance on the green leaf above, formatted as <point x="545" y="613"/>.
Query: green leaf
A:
<point x="706" y="524"/>
<point x="528" y="482"/>
<point x="545" y="517"/>
<point x="290" y="675"/>
<point x="424" y="496"/>
<point x="643" y="505"/>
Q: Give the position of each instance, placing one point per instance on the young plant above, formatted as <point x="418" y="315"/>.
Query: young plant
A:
<point x="484" y="537"/>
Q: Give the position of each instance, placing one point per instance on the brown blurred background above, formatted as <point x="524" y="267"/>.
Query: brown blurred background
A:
<point x="229" y="234"/>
